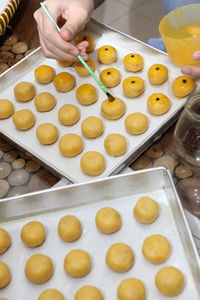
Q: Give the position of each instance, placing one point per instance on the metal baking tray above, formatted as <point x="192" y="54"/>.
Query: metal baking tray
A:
<point x="84" y="200"/>
<point x="49" y="156"/>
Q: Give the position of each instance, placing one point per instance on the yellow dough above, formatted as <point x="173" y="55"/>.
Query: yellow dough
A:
<point x="146" y="210"/>
<point x="64" y="82"/>
<point x="92" y="163"/>
<point x="39" y="268"/>
<point x="92" y="127"/>
<point x="51" y="294"/>
<point x="88" y="292"/>
<point x="120" y="257"/>
<point x="64" y="63"/>
<point x="110" y="77"/>
<point x="158" y="104"/>
<point x="136" y="123"/>
<point x="5" y="275"/>
<point x="86" y="94"/>
<point x="182" y="86"/>
<point x="81" y="70"/>
<point x="23" y="119"/>
<point x="33" y="234"/>
<point x="108" y="220"/>
<point x="44" y="101"/>
<point x="24" y="91"/>
<point x="107" y="55"/>
<point x="86" y="37"/>
<point x="70" y="145"/>
<point x="133" y="86"/>
<point x="157" y="74"/>
<point x="115" y="144"/>
<point x="133" y="62"/>
<point x="69" y="228"/>
<point x="68" y="114"/>
<point x="113" y="110"/>
<point x="5" y="241"/>
<point x="77" y="263"/>
<point x="170" y="281"/>
<point x="131" y="289"/>
<point x="47" y="133"/>
<point x="44" y="74"/>
<point x="6" y="109"/>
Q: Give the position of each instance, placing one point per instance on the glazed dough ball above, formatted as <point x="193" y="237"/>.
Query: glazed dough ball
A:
<point x="70" y="145"/>
<point x="88" y="292"/>
<point x="170" y="281"/>
<point x="23" y="119"/>
<point x="120" y="257"/>
<point x="110" y="77"/>
<point x="39" y="268"/>
<point x="133" y="86"/>
<point x="33" y="234"/>
<point x="107" y="55"/>
<point x="69" y="228"/>
<point x="64" y="82"/>
<point x="133" y="62"/>
<point x="51" y="294"/>
<point x="81" y="70"/>
<point x="44" y="74"/>
<point x="5" y="241"/>
<point x="92" y="127"/>
<point x="182" y="86"/>
<point x="68" y="114"/>
<point x="44" y="101"/>
<point x="6" y="109"/>
<point x="86" y="94"/>
<point x="5" y="275"/>
<point x="64" y="63"/>
<point x="47" y="133"/>
<point x="136" y="123"/>
<point x="77" y="263"/>
<point x="157" y="74"/>
<point x="146" y="210"/>
<point x="108" y="220"/>
<point x="131" y="289"/>
<point x="86" y="37"/>
<point x="115" y="144"/>
<point x="24" y="91"/>
<point x="92" y="163"/>
<point x="158" y="104"/>
<point x="113" y="110"/>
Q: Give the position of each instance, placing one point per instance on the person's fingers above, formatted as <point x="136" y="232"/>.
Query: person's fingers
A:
<point x="196" y="55"/>
<point x="192" y="71"/>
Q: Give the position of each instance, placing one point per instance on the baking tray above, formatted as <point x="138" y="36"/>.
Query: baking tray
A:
<point x="49" y="156"/>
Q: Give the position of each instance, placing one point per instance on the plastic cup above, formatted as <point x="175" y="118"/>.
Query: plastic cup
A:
<point x="180" y="30"/>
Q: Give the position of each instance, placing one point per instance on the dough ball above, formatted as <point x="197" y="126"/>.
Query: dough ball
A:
<point x="39" y="268"/>
<point x="157" y="74"/>
<point x="120" y="257"/>
<point x="92" y="163"/>
<point x="24" y="91"/>
<point x="136" y="123"/>
<point x="92" y="127"/>
<point x="108" y="220"/>
<point x="51" y="294"/>
<point x="170" y="281"/>
<point x="77" y="263"/>
<point x="158" y="104"/>
<point x="80" y="68"/>
<point x="110" y="77"/>
<point x="64" y="82"/>
<point x="146" y="210"/>
<point x="68" y="114"/>
<point x="64" y="63"/>
<point x="107" y="55"/>
<point x="70" y="145"/>
<point x="133" y="62"/>
<point x="115" y="144"/>
<point x="69" y="228"/>
<point x="182" y="86"/>
<point x="6" y="109"/>
<point x="24" y="119"/>
<point x="5" y="275"/>
<point x="86" y="37"/>
<point x="86" y="94"/>
<point x="33" y="234"/>
<point x="133" y="86"/>
<point x="47" y="133"/>
<point x="131" y="289"/>
<point x="113" y="110"/>
<point x="88" y="292"/>
<point x="5" y="241"/>
<point x="44" y="101"/>
<point x="44" y="74"/>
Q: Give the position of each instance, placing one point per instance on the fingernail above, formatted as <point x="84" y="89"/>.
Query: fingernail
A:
<point x="73" y="52"/>
<point x="186" y="70"/>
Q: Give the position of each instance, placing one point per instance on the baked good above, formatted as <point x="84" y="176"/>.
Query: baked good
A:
<point x="88" y="292"/>
<point x="158" y="104"/>
<point x="33" y="234"/>
<point x="182" y="86"/>
<point x="120" y="257"/>
<point x="86" y="37"/>
<point x="6" y="109"/>
<point x="133" y="62"/>
<point x="5" y="275"/>
<point x="113" y="110"/>
<point x="115" y="144"/>
<point x="77" y="263"/>
<point x="92" y="163"/>
<point x="68" y="114"/>
<point x="108" y="220"/>
<point x="64" y="63"/>
<point x="44" y="101"/>
<point x="70" y="145"/>
<point x="146" y="210"/>
<point x="24" y="91"/>
<point x="64" y="82"/>
<point x="39" y="268"/>
<point x="136" y="123"/>
<point x="23" y="119"/>
<point x="92" y="127"/>
<point x="51" y="294"/>
<point x="157" y="74"/>
<point x="47" y="133"/>
<point x="107" y="55"/>
<point x="44" y="74"/>
<point x="5" y="241"/>
<point x="110" y="77"/>
<point x="69" y="228"/>
<point x="81" y="69"/>
<point x="170" y="281"/>
<point x="86" y="94"/>
<point x="133" y="86"/>
<point x="131" y="289"/>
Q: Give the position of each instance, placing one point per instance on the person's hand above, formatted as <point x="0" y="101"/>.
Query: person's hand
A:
<point x="193" y="71"/>
<point x="71" y="16"/>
